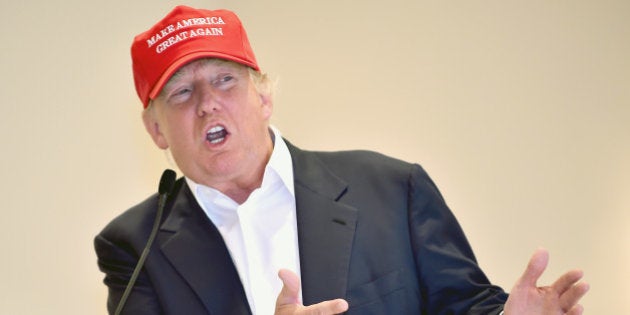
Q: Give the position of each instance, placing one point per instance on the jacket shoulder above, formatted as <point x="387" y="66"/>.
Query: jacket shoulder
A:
<point x="365" y="163"/>
<point x="133" y="221"/>
<point x="139" y="218"/>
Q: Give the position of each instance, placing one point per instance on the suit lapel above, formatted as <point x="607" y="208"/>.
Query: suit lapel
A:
<point x="196" y="249"/>
<point x="326" y="228"/>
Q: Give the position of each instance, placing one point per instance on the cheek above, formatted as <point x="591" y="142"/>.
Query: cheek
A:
<point x="176" y="130"/>
<point x="249" y="111"/>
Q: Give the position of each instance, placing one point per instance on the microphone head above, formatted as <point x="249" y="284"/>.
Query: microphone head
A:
<point x="167" y="182"/>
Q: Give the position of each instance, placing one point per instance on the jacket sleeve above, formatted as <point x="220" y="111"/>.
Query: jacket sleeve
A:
<point x="450" y="279"/>
<point x="118" y="261"/>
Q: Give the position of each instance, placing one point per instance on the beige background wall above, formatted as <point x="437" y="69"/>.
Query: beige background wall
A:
<point x="520" y="110"/>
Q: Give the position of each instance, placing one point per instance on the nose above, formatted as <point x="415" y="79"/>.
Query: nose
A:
<point x="207" y="102"/>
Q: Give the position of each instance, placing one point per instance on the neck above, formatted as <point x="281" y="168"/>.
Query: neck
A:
<point x="239" y="195"/>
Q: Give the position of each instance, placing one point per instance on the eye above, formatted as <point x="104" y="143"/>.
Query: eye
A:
<point x="224" y="81"/>
<point x="179" y="95"/>
<point x="181" y="91"/>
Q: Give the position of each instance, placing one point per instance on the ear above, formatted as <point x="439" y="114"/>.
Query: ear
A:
<point x="267" y="105"/>
<point x="152" y="126"/>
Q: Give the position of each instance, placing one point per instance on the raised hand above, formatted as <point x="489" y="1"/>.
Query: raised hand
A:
<point x="288" y="302"/>
<point x="562" y="297"/>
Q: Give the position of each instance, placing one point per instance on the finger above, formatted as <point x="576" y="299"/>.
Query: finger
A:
<point x="567" y="280"/>
<point x="290" y="288"/>
<point x="572" y="296"/>
<point x="576" y="310"/>
<point x="535" y="268"/>
<point x="327" y="307"/>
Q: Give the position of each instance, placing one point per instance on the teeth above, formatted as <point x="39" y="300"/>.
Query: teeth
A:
<point x="216" y="134"/>
<point x="215" y="129"/>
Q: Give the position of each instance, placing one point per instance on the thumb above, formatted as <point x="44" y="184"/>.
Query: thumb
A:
<point x="535" y="267"/>
<point x="290" y="293"/>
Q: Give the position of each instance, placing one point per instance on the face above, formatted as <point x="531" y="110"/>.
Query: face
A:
<point x="215" y="123"/>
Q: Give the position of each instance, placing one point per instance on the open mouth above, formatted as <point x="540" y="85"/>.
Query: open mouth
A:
<point x="216" y="134"/>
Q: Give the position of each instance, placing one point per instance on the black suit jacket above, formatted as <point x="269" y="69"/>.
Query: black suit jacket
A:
<point x="371" y="229"/>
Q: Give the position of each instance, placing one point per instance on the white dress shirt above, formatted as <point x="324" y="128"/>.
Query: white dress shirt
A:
<point x="261" y="233"/>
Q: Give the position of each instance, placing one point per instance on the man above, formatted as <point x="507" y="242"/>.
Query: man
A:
<point x="257" y="225"/>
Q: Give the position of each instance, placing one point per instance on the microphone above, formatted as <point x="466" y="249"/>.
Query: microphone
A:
<point x="167" y="182"/>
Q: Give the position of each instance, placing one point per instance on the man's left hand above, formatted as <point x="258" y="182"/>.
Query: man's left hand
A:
<point x="562" y="297"/>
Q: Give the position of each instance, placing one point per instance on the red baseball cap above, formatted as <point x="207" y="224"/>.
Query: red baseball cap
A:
<point x="186" y="34"/>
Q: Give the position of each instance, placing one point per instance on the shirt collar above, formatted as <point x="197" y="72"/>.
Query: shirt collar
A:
<point x="280" y="161"/>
